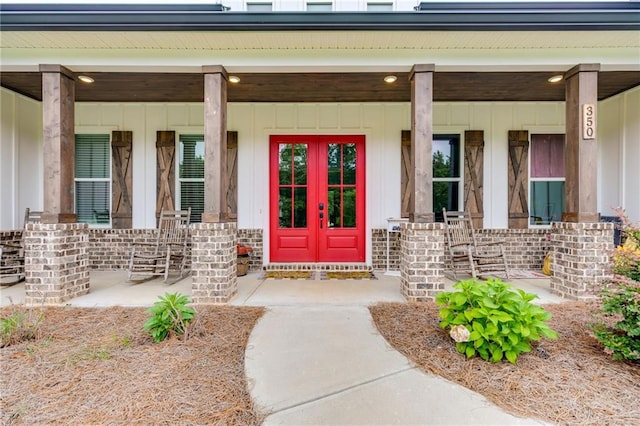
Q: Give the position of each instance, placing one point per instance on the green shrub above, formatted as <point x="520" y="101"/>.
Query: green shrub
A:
<point x="19" y="327"/>
<point x="491" y="320"/>
<point x="170" y="315"/>
<point x="621" y="299"/>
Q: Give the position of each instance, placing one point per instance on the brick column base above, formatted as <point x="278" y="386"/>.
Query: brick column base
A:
<point x="581" y="258"/>
<point x="213" y="262"/>
<point x="421" y="260"/>
<point x="56" y="262"/>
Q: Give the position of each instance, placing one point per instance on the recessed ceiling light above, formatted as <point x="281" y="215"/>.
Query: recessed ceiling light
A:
<point x="555" y="78"/>
<point x="234" y="79"/>
<point x="390" y="79"/>
<point x="85" y="79"/>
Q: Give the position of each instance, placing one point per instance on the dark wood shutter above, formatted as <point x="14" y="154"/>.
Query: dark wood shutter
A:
<point x="232" y="175"/>
<point x="405" y="173"/>
<point x="474" y="175"/>
<point x="165" y="155"/>
<point x="121" y="179"/>
<point x="518" y="178"/>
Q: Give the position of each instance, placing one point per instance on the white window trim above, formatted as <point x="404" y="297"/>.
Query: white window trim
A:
<point x="459" y="179"/>
<point x="96" y="131"/>
<point x="179" y="132"/>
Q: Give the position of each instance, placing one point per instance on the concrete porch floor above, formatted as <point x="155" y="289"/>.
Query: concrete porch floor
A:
<point x="109" y="288"/>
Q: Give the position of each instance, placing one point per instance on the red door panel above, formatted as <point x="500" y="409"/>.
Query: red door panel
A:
<point x="341" y="178"/>
<point x="317" y="198"/>
<point x="292" y="190"/>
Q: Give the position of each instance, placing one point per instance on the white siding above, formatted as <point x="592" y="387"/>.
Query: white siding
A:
<point x="20" y="157"/>
<point x="619" y="154"/>
<point x="21" y="146"/>
<point x="380" y="123"/>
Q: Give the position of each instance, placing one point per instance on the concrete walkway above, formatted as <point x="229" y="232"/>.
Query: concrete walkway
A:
<point x="328" y="365"/>
<point x="316" y="357"/>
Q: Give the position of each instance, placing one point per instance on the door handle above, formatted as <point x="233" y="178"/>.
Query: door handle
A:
<point x="321" y="217"/>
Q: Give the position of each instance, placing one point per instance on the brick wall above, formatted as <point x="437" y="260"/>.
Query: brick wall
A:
<point x="253" y="238"/>
<point x="110" y="249"/>
<point x="525" y="248"/>
<point x="10" y="236"/>
<point x="379" y="249"/>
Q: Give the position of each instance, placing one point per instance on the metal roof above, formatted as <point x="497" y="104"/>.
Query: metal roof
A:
<point x="543" y="16"/>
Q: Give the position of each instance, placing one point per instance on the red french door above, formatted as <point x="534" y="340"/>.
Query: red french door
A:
<point x="317" y="196"/>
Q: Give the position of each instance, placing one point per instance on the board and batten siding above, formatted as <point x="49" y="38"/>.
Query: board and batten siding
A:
<point x="619" y="153"/>
<point x="21" y="159"/>
<point x="618" y="138"/>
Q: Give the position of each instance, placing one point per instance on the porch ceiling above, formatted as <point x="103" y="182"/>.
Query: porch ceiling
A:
<point x="368" y="40"/>
<point x="320" y="87"/>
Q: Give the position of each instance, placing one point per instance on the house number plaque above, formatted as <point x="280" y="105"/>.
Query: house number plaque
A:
<point x="588" y="121"/>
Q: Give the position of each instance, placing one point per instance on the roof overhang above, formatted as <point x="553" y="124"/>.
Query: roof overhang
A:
<point x="547" y="16"/>
<point x="482" y="51"/>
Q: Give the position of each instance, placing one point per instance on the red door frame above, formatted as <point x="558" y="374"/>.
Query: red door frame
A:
<point x="316" y="242"/>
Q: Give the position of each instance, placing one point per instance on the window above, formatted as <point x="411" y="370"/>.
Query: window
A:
<point x="259" y="7"/>
<point x="446" y="174"/>
<point x="546" y="183"/>
<point x="93" y="179"/>
<point x="191" y="175"/>
<point x="379" y="7"/>
<point x="319" y="7"/>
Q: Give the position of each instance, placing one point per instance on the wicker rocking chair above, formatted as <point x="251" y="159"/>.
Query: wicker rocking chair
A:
<point x="168" y="253"/>
<point x="466" y="253"/>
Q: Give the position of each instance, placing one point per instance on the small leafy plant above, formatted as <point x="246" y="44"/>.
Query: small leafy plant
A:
<point x="20" y="326"/>
<point x="170" y="315"/>
<point x="621" y="299"/>
<point x="491" y="320"/>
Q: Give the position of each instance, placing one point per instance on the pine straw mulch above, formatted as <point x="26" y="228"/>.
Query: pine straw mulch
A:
<point x="96" y="366"/>
<point x="565" y="381"/>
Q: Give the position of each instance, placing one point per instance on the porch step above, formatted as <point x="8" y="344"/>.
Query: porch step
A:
<point x="317" y="267"/>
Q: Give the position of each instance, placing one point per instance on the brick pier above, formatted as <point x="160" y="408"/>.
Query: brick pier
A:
<point x="421" y="260"/>
<point x="581" y="258"/>
<point x="56" y="262"/>
<point x="213" y="262"/>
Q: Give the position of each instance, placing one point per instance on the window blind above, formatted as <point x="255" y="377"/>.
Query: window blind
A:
<point x="191" y="175"/>
<point x="93" y="178"/>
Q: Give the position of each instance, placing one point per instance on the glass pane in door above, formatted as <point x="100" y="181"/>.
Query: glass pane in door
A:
<point x="300" y="208"/>
<point x="334" y="160"/>
<point x="334" y="208"/>
<point x="349" y="164"/>
<point x="349" y="209"/>
<point x="341" y="164"/>
<point x="285" y="208"/>
<point x="292" y="180"/>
